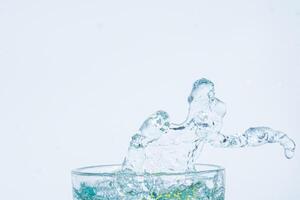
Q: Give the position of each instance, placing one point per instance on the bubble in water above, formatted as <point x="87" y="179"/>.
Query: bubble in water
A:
<point x="160" y="145"/>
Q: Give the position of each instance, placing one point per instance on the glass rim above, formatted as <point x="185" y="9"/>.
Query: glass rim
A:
<point x="81" y="171"/>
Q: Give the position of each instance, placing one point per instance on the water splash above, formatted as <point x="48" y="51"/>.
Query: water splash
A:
<point x="160" y="145"/>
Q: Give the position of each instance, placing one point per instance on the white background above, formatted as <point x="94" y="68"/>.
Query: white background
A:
<point x="77" y="79"/>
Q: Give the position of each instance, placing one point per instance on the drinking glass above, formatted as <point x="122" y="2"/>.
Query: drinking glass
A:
<point x="109" y="182"/>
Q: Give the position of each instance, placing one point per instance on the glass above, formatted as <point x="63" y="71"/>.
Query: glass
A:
<point x="107" y="182"/>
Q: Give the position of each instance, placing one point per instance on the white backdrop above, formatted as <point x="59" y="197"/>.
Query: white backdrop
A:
<point x="77" y="79"/>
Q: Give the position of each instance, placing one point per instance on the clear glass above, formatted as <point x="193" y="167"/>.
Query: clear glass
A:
<point x="107" y="182"/>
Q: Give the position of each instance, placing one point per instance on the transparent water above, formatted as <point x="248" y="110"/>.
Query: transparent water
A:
<point x="103" y="190"/>
<point x="163" y="146"/>
<point x="93" y="183"/>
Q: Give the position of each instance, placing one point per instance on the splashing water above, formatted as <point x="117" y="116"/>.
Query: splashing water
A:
<point x="160" y="145"/>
